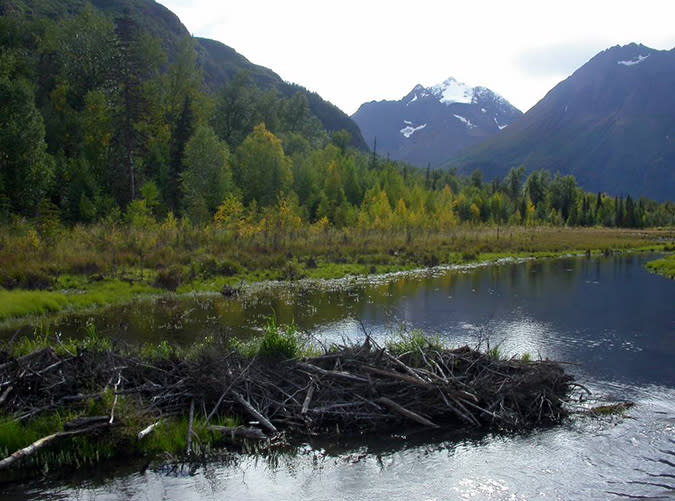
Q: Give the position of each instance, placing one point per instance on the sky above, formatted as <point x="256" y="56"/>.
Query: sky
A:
<point x="355" y="51"/>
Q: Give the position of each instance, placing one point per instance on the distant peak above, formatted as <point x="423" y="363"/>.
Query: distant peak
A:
<point x="453" y="91"/>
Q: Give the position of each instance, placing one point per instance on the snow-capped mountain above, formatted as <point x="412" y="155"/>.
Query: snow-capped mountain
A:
<point x="611" y="124"/>
<point x="432" y="124"/>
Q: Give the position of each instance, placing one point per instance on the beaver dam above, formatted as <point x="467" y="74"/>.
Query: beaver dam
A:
<point x="83" y="402"/>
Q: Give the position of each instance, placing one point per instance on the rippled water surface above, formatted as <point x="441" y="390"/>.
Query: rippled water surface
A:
<point x="612" y="321"/>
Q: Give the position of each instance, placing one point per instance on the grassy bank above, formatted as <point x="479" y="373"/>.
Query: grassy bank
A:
<point x="90" y="266"/>
<point x="665" y="266"/>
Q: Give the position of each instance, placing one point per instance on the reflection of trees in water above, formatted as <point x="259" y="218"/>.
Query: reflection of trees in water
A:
<point x="426" y="300"/>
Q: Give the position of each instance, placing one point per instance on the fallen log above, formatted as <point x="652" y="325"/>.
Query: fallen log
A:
<point x="82" y="422"/>
<point x="43" y="442"/>
<point x="5" y="394"/>
<point x="146" y="431"/>
<point x="396" y="375"/>
<point x="308" y="398"/>
<point x="251" y="410"/>
<point x="407" y="413"/>
<point x="330" y="373"/>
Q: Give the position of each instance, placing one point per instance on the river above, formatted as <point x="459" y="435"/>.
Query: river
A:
<point x="613" y="322"/>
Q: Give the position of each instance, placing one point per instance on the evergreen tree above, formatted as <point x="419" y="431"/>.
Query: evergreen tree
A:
<point x="138" y="59"/>
<point x="183" y="130"/>
<point x="26" y="169"/>
<point x="207" y="177"/>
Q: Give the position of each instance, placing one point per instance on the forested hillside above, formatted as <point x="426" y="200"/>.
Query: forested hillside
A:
<point x="101" y="119"/>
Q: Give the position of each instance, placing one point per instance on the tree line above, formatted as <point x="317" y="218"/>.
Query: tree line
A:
<point x="97" y="121"/>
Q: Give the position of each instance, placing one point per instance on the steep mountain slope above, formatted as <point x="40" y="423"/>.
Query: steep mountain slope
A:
<point x="611" y="124"/>
<point x="218" y="61"/>
<point x="430" y="125"/>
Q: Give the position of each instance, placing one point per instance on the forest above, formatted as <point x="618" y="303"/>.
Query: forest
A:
<point x="97" y="122"/>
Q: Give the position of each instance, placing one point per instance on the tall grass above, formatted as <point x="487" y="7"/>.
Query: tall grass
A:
<point x="88" y="266"/>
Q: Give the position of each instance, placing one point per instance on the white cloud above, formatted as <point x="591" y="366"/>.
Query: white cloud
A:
<point x="353" y="51"/>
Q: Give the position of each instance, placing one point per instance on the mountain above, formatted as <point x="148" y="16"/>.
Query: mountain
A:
<point x="219" y="62"/>
<point x="432" y="124"/>
<point x="611" y="124"/>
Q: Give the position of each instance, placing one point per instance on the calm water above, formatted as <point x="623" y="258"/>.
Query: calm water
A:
<point x="611" y="320"/>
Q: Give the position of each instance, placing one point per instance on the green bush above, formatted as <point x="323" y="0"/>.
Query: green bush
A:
<point x="170" y="278"/>
<point x="279" y="343"/>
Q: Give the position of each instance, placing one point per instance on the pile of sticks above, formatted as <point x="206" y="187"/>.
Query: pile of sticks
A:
<point x="351" y="388"/>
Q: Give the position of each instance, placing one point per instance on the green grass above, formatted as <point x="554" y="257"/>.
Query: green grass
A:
<point x="42" y="339"/>
<point x="22" y="303"/>
<point x="277" y="342"/>
<point x="413" y="342"/>
<point x="665" y="266"/>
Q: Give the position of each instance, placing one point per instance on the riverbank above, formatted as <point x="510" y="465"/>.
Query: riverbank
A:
<point x="80" y="269"/>
<point x="664" y="267"/>
<point x="69" y="403"/>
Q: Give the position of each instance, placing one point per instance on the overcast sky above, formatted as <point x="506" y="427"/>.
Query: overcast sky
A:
<point x="353" y="51"/>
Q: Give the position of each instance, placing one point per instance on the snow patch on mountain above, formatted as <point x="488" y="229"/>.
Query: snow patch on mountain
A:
<point x="412" y="100"/>
<point x="465" y="121"/>
<point x="634" y="61"/>
<point x="451" y="91"/>
<point x="500" y="127"/>
<point x="409" y="130"/>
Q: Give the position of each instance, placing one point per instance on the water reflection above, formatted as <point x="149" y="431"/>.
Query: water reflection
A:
<point x="611" y="319"/>
<point x="606" y="314"/>
<point x="583" y="459"/>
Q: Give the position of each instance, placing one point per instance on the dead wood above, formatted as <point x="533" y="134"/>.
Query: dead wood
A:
<point x="239" y="432"/>
<point x="146" y="431"/>
<point x="257" y="415"/>
<point x="405" y="412"/>
<point x="44" y="441"/>
<point x="353" y="389"/>
<point x="189" y="432"/>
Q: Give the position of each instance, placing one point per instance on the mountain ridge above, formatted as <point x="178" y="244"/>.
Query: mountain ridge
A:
<point x="430" y="124"/>
<point x="611" y="124"/>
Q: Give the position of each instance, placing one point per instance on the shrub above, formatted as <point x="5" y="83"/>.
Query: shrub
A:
<point x="29" y="278"/>
<point x="170" y="278"/>
<point x="229" y="268"/>
<point x="470" y="254"/>
<point x="279" y="343"/>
